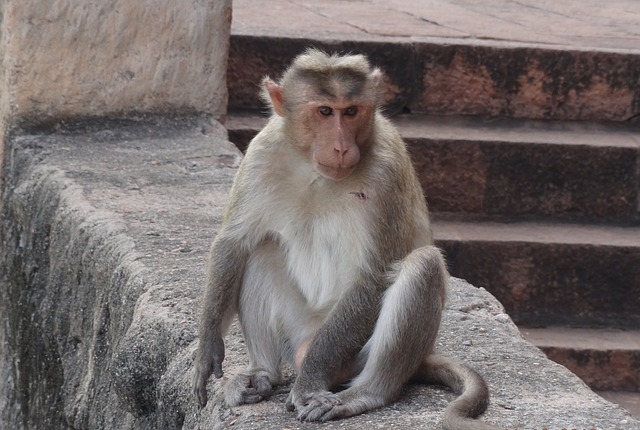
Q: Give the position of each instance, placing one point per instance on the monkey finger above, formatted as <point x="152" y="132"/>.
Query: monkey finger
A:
<point x="337" y="411"/>
<point x="217" y="370"/>
<point x="201" y="395"/>
<point x="327" y="399"/>
<point x="313" y="412"/>
<point x="199" y="385"/>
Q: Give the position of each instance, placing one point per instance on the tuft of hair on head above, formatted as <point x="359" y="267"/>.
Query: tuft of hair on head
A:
<point x="328" y="75"/>
<point x="316" y="60"/>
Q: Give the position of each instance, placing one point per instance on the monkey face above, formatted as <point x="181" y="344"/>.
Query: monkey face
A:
<point x="334" y="132"/>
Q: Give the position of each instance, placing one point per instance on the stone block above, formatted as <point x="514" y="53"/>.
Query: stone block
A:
<point x="461" y="77"/>
<point x="501" y="79"/>
<point x="70" y="59"/>
<point x="550" y="274"/>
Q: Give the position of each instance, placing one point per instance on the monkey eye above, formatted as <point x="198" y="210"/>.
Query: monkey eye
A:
<point x="325" y="110"/>
<point x="350" y="111"/>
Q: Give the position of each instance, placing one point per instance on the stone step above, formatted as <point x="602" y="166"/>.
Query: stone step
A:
<point x="543" y="267"/>
<point x="605" y="359"/>
<point x="608" y="360"/>
<point x="543" y="60"/>
<point x="628" y="400"/>
<point x="550" y="273"/>
<point x="499" y="168"/>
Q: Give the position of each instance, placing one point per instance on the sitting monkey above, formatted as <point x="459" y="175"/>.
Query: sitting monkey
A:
<point x="326" y="255"/>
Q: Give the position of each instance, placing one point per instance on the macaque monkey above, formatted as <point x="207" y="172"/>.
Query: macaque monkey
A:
<point x="326" y="256"/>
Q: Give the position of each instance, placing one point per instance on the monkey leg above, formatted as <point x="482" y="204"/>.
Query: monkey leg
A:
<point x="275" y="321"/>
<point x="404" y="334"/>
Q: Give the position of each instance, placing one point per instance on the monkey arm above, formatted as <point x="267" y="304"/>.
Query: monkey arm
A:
<point x="224" y="277"/>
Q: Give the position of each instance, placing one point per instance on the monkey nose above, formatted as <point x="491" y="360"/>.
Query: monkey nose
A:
<point x="340" y="149"/>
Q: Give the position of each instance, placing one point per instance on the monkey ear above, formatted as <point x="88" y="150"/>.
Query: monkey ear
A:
<point x="376" y="76"/>
<point x="275" y="95"/>
<point x="380" y="84"/>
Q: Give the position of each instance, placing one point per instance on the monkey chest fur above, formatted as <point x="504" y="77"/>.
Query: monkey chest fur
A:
<point x="326" y="241"/>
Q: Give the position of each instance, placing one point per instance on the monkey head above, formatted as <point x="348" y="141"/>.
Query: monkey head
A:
<point x="328" y="104"/>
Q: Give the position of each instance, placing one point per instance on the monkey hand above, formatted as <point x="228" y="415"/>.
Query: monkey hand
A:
<point x="208" y="360"/>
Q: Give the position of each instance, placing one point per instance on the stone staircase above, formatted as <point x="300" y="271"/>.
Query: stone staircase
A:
<point x="528" y="148"/>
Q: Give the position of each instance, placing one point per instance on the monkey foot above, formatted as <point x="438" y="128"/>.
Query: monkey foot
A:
<point x="248" y="389"/>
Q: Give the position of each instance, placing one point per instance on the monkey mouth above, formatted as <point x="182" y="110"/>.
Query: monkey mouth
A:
<point x="335" y="173"/>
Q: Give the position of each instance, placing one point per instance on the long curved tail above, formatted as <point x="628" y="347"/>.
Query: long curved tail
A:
<point x="473" y="392"/>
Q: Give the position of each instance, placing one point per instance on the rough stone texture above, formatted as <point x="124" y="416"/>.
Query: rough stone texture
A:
<point x="105" y="233"/>
<point x="551" y="274"/>
<point x="67" y="59"/>
<point x="513" y="169"/>
<point x="604" y="359"/>
<point x="528" y="82"/>
<point x="575" y="172"/>
<point x="587" y="25"/>
<point x="251" y="58"/>
<point x="630" y="400"/>
<point x="518" y="59"/>
<point x="104" y="236"/>
<point x="463" y="78"/>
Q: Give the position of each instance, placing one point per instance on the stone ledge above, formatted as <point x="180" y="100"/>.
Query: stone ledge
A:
<point x="480" y="168"/>
<point x="437" y="77"/>
<point x="550" y="273"/>
<point x="105" y="232"/>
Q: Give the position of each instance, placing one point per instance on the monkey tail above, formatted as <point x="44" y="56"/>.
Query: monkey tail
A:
<point x="473" y="392"/>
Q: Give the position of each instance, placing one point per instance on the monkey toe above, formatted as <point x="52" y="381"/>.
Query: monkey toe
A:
<point x="201" y="396"/>
<point x="247" y="389"/>
<point x="262" y="384"/>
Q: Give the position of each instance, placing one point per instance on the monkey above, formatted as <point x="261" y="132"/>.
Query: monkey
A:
<point x="326" y="255"/>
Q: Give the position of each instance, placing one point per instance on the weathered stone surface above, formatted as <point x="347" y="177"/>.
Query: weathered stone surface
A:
<point x="252" y="58"/>
<point x="527" y="82"/>
<point x="529" y="179"/>
<point x="550" y="274"/>
<point x="67" y="59"/>
<point x="104" y="236"/>
<point x="605" y="359"/>
<point x="589" y="24"/>
<point x="517" y="59"/>
<point x="510" y="169"/>
<point x="105" y="233"/>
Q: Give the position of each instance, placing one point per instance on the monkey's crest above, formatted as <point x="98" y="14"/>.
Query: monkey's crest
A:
<point x="320" y="62"/>
<point x="331" y="75"/>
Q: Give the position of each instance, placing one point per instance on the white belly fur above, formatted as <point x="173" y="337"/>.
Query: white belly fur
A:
<point x="325" y="252"/>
